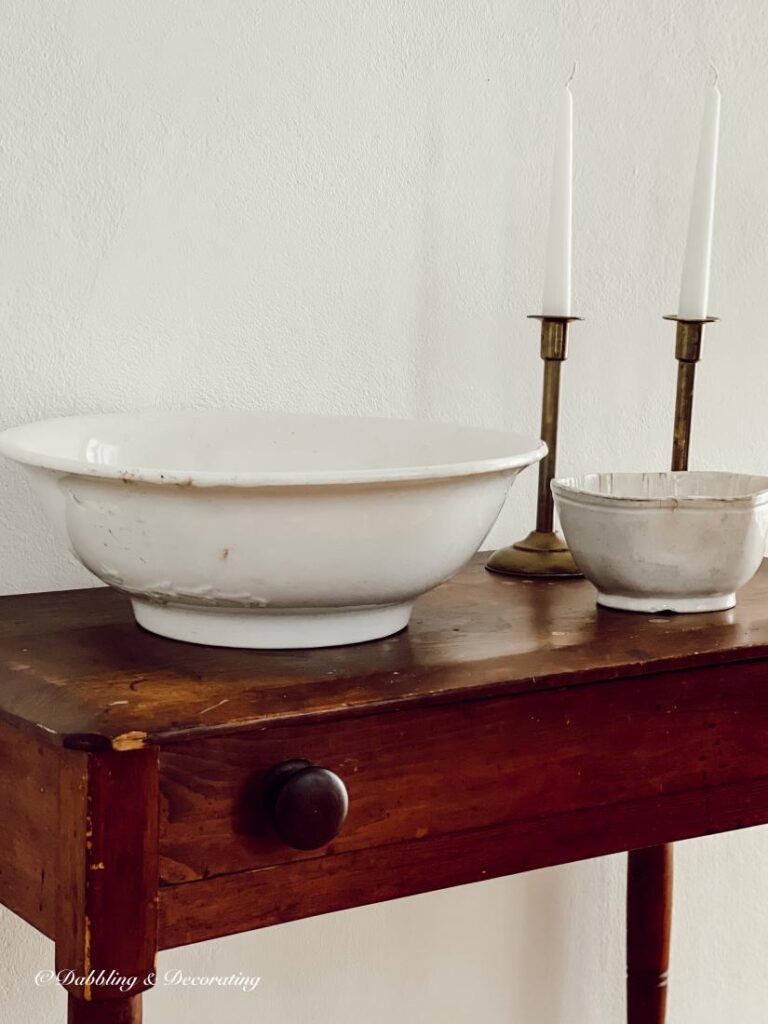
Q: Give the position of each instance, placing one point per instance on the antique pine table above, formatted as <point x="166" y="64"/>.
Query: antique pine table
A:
<point x="513" y="725"/>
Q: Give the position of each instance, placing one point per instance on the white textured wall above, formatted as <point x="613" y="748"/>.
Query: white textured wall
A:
<point x="339" y="206"/>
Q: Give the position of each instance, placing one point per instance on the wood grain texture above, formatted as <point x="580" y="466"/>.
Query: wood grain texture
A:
<point x="107" y="872"/>
<point x="426" y="773"/>
<point x="256" y="899"/>
<point x="30" y="817"/>
<point x="77" y="671"/>
<point x="649" y="918"/>
<point x="514" y="725"/>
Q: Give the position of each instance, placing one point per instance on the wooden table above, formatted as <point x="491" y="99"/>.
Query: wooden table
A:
<point x="513" y="725"/>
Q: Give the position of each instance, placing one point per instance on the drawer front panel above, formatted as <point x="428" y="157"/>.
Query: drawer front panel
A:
<point x="433" y="771"/>
<point x="267" y="896"/>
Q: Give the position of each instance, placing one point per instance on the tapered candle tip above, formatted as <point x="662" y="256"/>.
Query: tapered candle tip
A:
<point x="716" y="71"/>
<point x="572" y="74"/>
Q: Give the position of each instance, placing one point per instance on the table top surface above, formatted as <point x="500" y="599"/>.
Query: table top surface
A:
<point x="76" y="670"/>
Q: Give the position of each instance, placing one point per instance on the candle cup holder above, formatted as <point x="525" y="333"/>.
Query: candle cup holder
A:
<point x="544" y="553"/>
<point x="687" y="352"/>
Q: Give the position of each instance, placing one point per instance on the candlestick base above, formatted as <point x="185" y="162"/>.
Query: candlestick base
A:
<point x="538" y="555"/>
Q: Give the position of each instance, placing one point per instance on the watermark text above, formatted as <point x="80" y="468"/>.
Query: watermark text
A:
<point x="129" y="983"/>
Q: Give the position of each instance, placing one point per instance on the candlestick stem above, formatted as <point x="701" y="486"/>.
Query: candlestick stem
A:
<point x="687" y="352"/>
<point x="554" y="341"/>
<point x="544" y="552"/>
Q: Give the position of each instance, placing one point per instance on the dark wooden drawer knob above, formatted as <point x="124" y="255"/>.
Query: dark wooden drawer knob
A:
<point x="306" y="805"/>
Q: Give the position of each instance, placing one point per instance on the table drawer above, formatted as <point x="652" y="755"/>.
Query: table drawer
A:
<point x="431" y="771"/>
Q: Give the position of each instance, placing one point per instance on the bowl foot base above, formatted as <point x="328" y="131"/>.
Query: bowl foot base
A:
<point x="259" y="629"/>
<point x="680" y="605"/>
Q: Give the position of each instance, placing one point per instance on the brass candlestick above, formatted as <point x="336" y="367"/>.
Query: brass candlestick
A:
<point x="687" y="353"/>
<point x="544" y="552"/>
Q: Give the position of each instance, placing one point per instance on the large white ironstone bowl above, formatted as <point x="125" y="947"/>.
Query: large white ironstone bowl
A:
<point x="265" y="530"/>
<point x="677" y="542"/>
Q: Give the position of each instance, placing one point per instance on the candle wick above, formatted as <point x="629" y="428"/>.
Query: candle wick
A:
<point x="572" y="74"/>
<point x="716" y="71"/>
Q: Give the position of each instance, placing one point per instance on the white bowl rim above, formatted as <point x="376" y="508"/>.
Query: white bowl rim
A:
<point x="575" y="489"/>
<point x="524" y="451"/>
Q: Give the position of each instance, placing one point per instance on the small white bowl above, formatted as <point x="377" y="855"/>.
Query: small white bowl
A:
<point x="677" y="542"/>
<point x="242" y="529"/>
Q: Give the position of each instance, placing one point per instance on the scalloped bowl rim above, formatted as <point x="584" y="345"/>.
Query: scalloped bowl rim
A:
<point x="577" y="489"/>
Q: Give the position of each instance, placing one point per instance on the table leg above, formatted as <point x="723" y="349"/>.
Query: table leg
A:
<point x="649" y="914"/>
<point x="104" y="1011"/>
<point x="106" y="914"/>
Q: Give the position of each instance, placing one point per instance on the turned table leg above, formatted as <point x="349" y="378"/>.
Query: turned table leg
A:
<point x="104" y="1011"/>
<point x="649" y="914"/>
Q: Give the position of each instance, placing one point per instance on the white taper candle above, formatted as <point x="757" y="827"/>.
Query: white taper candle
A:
<point x="556" y="300"/>
<point x="694" y="284"/>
